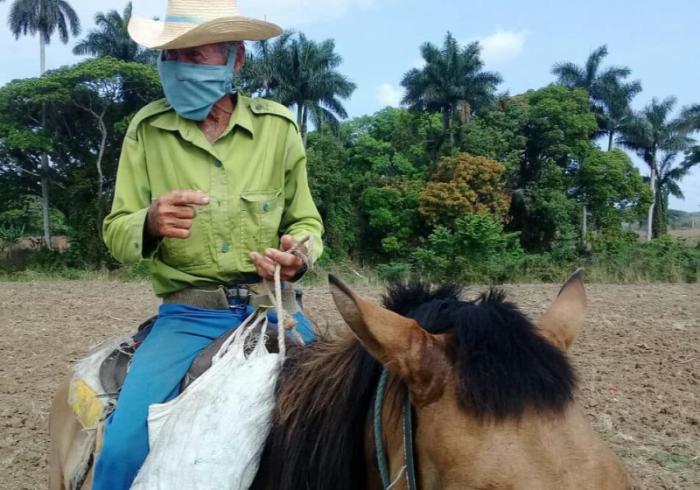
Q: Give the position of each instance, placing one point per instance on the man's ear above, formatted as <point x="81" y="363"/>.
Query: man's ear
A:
<point x="240" y="57"/>
<point x="397" y="342"/>
<point x="562" y="321"/>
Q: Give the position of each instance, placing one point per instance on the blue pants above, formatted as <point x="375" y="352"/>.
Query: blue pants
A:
<point x="159" y="364"/>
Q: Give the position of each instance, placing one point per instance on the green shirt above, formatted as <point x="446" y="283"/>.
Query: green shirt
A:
<point x="254" y="175"/>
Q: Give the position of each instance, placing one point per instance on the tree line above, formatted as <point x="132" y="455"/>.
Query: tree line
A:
<point x="460" y="180"/>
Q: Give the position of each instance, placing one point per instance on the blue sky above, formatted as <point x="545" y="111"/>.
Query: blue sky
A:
<point x="379" y="40"/>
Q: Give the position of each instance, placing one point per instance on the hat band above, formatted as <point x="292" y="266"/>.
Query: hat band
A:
<point x="184" y="19"/>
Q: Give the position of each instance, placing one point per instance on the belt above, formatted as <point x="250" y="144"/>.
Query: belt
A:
<point x="220" y="297"/>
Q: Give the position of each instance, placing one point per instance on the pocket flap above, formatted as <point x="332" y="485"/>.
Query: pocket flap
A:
<point x="260" y="196"/>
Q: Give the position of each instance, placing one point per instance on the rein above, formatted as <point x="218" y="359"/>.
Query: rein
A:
<point x="378" y="434"/>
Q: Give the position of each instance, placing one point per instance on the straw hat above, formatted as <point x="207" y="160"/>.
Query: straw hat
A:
<point x="191" y="23"/>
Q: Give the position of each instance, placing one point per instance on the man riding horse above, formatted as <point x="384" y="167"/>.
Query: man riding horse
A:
<point x="208" y="181"/>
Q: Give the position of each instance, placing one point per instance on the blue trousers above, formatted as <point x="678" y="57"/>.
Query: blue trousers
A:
<point x="159" y="364"/>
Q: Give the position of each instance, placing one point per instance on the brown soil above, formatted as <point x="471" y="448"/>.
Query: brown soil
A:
<point x="637" y="359"/>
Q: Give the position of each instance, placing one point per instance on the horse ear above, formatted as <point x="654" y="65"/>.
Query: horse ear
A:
<point x="397" y="342"/>
<point x="562" y="321"/>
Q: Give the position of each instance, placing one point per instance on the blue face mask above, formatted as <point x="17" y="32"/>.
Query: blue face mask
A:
<point x="191" y="89"/>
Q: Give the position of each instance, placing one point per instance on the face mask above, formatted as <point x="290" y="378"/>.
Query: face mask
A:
<point x="191" y="89"/>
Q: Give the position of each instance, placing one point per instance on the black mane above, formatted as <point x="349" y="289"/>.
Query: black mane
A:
<point x="505" y="366"/>
<point x="325" y="390"/>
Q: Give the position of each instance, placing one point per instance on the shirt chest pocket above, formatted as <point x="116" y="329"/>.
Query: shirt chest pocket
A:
<point x="260" y="215"/>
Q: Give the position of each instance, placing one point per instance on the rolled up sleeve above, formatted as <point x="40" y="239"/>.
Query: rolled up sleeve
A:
<point x="123" y="228"/>
<point x="301" y="217"/>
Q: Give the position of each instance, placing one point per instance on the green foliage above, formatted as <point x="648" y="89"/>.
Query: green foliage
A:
<point x="498" y="133"/>
<point x="625" y="259"/>
<point x="558" y="129"/>
<point x="613" y="190"/>
<point x="333" y="194"/>
<point x="543" y="212"/>
<point x="9" y="235"/>
<point x="476" y="250"/>
<point x="392" y="217"/>
<point x="463" y="186"/>
<point x="25" y="212"/>
<point x="393" y="271"/>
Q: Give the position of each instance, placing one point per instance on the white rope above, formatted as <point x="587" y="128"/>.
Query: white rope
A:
<point x="276" y="298"/>
<point x="279" y="307"/>
<point x="397" y="479"/>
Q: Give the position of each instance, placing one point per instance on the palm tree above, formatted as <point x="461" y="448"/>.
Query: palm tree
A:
<point x="111" y="38"/>
<point x="260" y="73"/>
<point x="610" y="97"/>
<point x="451" y="81"/>
<point x="303" y="74"/>
<point x="613" y="109"/>
<point x="657" y="139"/>
<point x="691" y="117"/>
<point x="668" y="183"/>
<point x="44" y="17"/>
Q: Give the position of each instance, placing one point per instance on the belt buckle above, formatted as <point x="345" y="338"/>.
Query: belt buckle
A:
<point x="237" y="293"/>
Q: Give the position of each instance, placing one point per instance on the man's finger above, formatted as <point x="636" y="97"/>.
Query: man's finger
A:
<point x="176" y="233"/>
<point x="189" y="198"/>
<point x="184" y="224"/>
<point x="184" y="212"/>
<point x="265" y="266"/>
<point x="283" y="258"/>
<point x="287" y="242"/>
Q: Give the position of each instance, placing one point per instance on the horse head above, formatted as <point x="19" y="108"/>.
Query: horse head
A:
<point x="492" y="392"/>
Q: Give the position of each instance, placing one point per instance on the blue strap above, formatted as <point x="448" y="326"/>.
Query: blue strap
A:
<point x="378" y="435"/>
<point x="184" y="19"/>
<point x="408" y="444"/>
<point x="378" y="431"/>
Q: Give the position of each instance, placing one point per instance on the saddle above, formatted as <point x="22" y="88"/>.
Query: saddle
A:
<point x="114" y="368"/>
<point x="100" y="376"/>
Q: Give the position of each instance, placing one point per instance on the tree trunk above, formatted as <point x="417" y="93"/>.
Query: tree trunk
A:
<point x="44" y="158"/>
<point x="100" y="174"/>
<point x="650" y="217"/>
<point x="584" y="226"/>
<point x="304" y="120"/>
<point x="446" y="126"/>
<point x="610" y="140"/>
<point x="660" y="210"/>
<point x="300" y="111"/>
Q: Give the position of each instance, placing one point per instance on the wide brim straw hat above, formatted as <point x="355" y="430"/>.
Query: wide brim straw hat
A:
<point x="190" y="23"/>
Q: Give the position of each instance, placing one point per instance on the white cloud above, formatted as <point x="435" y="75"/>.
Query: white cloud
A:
<point x="389" y="95"/>
<point x="502" y="46"/>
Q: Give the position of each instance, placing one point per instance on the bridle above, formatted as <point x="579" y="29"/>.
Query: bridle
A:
<point x="378" y="435"/>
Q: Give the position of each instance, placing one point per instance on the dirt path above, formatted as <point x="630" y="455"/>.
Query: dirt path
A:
<point x="637" y="359"/>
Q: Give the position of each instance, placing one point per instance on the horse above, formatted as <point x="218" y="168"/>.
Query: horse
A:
<point x="489" y="396"/>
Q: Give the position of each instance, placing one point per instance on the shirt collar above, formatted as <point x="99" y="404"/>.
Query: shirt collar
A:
<point x="241" y="117"/>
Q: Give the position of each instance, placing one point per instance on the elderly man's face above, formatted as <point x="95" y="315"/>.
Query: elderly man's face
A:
<point x="209" y="54"/>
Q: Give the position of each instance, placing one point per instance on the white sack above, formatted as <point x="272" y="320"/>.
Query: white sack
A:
<point x="212" y="435"/>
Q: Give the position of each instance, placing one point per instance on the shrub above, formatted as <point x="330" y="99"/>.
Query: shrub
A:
<point x="476" y="250"/>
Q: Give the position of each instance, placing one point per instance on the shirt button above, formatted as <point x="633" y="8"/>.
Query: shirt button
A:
<point x="218" y="163"/>
<point x="225" y="248"/>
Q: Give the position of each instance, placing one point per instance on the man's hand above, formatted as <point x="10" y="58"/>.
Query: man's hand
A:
<point x="171" y="214"/>
<point x="291" y="264"/>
